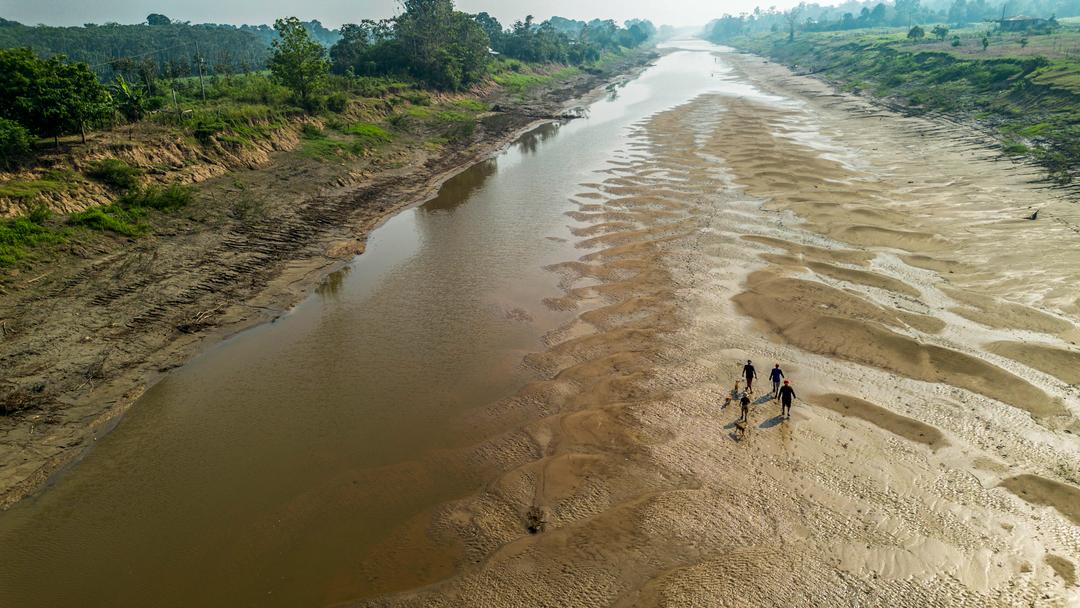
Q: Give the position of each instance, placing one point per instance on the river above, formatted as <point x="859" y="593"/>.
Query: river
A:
<point x="295" y="464"/>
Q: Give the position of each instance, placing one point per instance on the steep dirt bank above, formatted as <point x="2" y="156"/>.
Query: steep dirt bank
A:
<point x="84" y="336"/>
<point x="788" y="224"/>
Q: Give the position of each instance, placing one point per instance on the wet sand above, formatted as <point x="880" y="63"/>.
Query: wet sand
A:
<point x="884" y="261"/>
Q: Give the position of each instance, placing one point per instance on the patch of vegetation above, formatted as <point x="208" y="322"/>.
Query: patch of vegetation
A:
<point x="1015" y="148"/>
<point x="122" y="217"/>
<point x="316" y="144"/>
<point x="520" y="82"/>
<point x="368" y="133"/>
<point x="160" y="198"/>
<point x="15" y="142"/>
<point x="19" y="235"/>
<point x="114" y="173"/>
<point x="53" y="181"/>
<point x="472" y="105"/>
<point x="110" y="218"/>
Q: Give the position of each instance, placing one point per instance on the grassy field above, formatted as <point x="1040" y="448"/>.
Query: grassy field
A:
<point x="1025" y="87"/>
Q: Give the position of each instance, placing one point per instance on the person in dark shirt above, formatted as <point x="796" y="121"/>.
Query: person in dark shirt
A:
<point x="786" y="395"/>
<point x="750" y="373"/>
<point x="776" y="375"/>
<point x="745" y="403"/>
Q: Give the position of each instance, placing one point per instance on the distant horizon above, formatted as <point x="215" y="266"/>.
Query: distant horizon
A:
<point x="334" y="13"/>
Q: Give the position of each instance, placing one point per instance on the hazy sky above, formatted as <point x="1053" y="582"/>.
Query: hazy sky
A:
<point x="335" y="12"/>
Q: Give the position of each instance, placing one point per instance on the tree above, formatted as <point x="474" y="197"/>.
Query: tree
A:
<point x="877" y="16"/>
<point x="128" y="100"/>
<point x="157" y="19"/>
<point x="940" y="31"/>
<point x="297" y="61"/>
<point x="15" y="142"/>
<point x="916" y="33"/>
<point x="73" y="98"/>
<point x="905" y="10"/>
<point x="491" y="27"/>
<point x="444" y="47"/>
<point x="792" y="19"/>
<point x="50" y="97"/>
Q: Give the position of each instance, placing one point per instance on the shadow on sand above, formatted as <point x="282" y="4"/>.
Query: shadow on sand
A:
<point x="771" y="422"/>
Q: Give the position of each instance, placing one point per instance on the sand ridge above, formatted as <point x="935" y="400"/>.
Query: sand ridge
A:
<point x="623" y="480"/>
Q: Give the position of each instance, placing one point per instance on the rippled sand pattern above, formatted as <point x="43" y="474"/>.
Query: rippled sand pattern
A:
<point x="935" y="457"/>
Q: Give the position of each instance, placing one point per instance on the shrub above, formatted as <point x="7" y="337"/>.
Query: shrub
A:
<point x="114" y="173"/>
<point x="311" y="131"/>
<point x="160" y="198"/>
<point x="204" y="129"/>
<point x="15" y="142"/>
<point x="337" y="102"/>
<point x="39" y="215"/>
<point x="111" y="218"/>
<point x="17" y="234"/>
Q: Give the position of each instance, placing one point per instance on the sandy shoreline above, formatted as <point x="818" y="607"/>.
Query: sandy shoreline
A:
<point x="96" y="335"/>
<point x="934" y="459"/>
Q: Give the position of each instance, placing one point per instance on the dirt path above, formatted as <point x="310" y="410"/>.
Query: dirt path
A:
<point x="884" y="261"/>
<point x="82" y="339"/>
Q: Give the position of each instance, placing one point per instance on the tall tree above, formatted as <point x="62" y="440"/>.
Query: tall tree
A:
<point x="298" y="62"/>
<point x="49" y="96"/>
<point x="445" y="47"/>
<point x="792" y="18"/>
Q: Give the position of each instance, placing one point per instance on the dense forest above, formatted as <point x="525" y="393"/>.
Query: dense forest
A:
<point x="160" y="46"/>
<point x="450" y="48"/>
<point x="875" y="13"/>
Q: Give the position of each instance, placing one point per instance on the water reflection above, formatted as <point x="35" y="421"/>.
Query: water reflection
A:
<point x="458" y="189"/>
<point x="330" y="288"/>
<point x="531" y="141"/>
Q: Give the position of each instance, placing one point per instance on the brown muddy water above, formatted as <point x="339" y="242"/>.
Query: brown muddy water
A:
<point x="275" y="469"/>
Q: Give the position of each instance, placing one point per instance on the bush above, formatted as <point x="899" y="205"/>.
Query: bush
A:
<point x="155" y="103"/>
<point x="111" y="218"/>
<point x="160" y="198"/>
<point x="204" y="129"/>
<point x="15" y="142"/>
<point x="337" y="102"/>
<point x="17" y="234"/>
<point x="311" y="131"/>
<point x="114" y="173"/>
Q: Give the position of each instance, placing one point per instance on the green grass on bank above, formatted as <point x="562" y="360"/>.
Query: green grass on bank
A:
<point x="1031" y="100"/>
<point x="53" y="180"/>
<point x="19" y="235"/>
<point x="519" y="77"/>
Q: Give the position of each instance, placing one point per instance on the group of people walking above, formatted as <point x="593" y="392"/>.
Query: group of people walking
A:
<point x="781" y="389"/>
